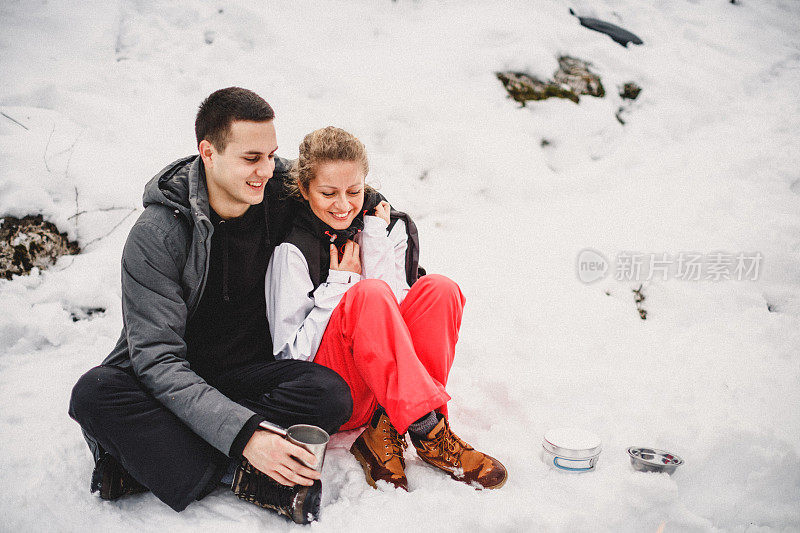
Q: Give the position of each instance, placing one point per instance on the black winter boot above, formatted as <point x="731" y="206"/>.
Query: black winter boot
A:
<point x="112" y="480"/>
<point x="299" y="503"/>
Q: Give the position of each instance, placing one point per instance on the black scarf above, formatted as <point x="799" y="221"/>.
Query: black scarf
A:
<point x="314" y="237"/>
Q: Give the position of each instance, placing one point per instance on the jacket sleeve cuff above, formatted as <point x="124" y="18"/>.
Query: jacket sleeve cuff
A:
<point x="375" y="225"/>
<point x="244" y="435"/>
<point x="342" y="276"/>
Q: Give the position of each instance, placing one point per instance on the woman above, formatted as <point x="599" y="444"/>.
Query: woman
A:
<point x="342" y="291"/>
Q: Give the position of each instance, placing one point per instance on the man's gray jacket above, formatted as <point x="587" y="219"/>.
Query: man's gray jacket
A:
<point x="164" y="269"/>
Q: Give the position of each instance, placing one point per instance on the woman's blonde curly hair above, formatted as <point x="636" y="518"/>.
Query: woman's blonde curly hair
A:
<point x="322" y="146"/>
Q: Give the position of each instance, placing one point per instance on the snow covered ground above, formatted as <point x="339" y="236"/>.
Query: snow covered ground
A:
<point x="103" y="94"/>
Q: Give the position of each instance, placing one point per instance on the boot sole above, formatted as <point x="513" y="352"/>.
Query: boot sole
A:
<point x="364" y="465"/>
<point x="493" y="487"/>
<point x="308" y="504"/>
<point x="362" y="460"/>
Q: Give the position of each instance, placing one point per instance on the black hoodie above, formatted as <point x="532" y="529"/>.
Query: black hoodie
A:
<point x="229" y="327"/>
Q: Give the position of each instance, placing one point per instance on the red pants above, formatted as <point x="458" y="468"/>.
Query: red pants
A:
<point x="395" y="356"/>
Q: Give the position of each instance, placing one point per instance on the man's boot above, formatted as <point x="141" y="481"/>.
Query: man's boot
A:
<point x="443" y="449"/>
<point x="112" y="480"/>
<point x="299" y="503"/>
<point x="379" y="449"/>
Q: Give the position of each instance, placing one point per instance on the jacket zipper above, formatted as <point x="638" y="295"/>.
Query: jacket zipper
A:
<point x="201" y="287"/>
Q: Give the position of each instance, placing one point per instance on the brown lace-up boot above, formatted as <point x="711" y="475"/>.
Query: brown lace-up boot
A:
<point x="379" y="449"/>
<point x="443" y="449"/>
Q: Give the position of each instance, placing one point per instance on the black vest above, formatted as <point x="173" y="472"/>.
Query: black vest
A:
<point x="313" y="238"/>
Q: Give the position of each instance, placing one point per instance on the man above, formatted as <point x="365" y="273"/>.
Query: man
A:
<point x="175" y="408"/>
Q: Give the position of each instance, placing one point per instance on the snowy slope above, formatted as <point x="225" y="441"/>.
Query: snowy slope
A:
<point x="104" y="95"/>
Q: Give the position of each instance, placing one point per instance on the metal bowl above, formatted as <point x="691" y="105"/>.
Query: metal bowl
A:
<point x="652" y="460"/>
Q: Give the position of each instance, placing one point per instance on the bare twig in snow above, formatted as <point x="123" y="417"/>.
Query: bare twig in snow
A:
<point x="638" y="297"/>
<point x="77" y="213"/>
<point x="132" y="211"/>
<point x="15" y="121"/>
<point x="98" y="210"/>
<point x="47" y="147"/>
<point x="71" y="147"/>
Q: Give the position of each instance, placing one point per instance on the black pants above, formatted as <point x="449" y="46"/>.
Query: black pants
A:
<point x="118" y="416"/>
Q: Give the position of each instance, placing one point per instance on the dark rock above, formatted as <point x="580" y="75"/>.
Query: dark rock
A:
<point x="576" y="75"/>
<point x="619" y="35"/>
<point x="618" y="114"/>
<point x="630" y="91"/>
<point x="572" y="78"/>
<point x="85" y="313"/>
<point x="523" y="87"/>
<point x="639" y="298"/>
<point x="31" y="242"/>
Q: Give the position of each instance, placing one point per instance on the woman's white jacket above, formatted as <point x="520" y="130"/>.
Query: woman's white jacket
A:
<point x="298" y="314"/>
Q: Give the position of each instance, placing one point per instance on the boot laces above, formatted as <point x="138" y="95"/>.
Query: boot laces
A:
<point x="394" y="442"/>
<point x="449" y="445"/>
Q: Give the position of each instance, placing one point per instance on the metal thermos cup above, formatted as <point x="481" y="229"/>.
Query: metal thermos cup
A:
<point x="312" y="438"/>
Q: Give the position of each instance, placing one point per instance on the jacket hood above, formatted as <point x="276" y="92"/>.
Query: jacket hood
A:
<point x="181" y="186"/>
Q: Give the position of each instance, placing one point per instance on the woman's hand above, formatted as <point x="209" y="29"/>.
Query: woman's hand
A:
<point x="382" y="211"/>
<point x="351" y="260"/>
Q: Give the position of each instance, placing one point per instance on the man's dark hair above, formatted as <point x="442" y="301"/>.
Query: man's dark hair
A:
<point x="223" y="107"/>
